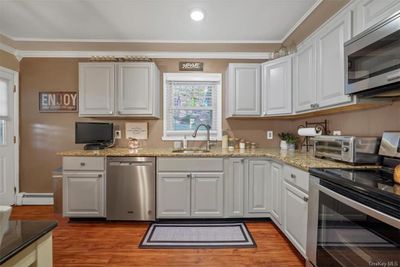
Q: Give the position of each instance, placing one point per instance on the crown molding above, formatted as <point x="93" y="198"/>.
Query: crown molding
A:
<point x="8" y="49"/>
<point x="149" y="54"/>
<point x="301" y="20"/>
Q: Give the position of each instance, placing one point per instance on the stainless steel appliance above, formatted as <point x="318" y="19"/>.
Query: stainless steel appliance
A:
<point x="354" y="214"/>
<point x="372" y="60"/>
<point x="131" y="188"/>
<point x="351" y="149"/>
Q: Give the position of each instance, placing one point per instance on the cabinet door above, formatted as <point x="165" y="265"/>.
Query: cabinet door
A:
<point x="244" y="88"/>
<point x="295" y="216"/>
<point x="330" y="62"/>
<point x="135" y="88"/>
<point x="234" y="187"/>
<point x="276" y="180"/>
<point x="258" y="185"/>
<point x="96" y="89"/>
<point x="207" y="195"/>
<point x="370" y="12"/>
<point x="173" y="195"/>
<point x="304" y="78"/>
<point x="277" y="86"/>
<point x="83" y="195"/>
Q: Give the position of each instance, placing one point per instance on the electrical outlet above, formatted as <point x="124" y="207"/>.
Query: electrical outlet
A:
<point x="270" y="135"/>
<point x="117" y="134"/>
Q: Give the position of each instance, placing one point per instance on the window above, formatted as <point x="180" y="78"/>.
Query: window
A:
<point x="189" y="100"/>
<point x="3" y="98"/>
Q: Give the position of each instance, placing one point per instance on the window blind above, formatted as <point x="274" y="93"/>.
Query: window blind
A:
<point x="190" y="103"/>
<point x="3" y="98"/>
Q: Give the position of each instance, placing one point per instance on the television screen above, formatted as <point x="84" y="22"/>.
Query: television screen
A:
<point x="93" y="133"/>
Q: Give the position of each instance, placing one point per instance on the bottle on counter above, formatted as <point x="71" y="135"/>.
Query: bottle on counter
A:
<point x="185" y="142"/>
<point x="231" y="143"/>
<point x="242" y="144"/>
<point x="225" y="140"/>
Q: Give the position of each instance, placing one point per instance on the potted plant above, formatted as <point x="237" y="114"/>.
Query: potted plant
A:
<point x="288" y="141"/>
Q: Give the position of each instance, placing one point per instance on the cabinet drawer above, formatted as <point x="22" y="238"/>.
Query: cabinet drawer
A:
<point x="83" y="163"/>
<point x="190" y="164"/>
<point x="296" y="177"/>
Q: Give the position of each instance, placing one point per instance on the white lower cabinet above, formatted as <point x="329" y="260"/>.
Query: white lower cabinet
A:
<point x="234" y="187"/>
<point x="257" y="188"/>
<point x="295" y="216"/>
<point x="185" y="195"/>
<point x="83" y="194"/>
<point x="173" y="195"/>
<point x="207" y="195"/>
<point x="276" y="184"/>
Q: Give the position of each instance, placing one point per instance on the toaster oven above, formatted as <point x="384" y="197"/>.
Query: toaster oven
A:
<point x="351" y="149"/>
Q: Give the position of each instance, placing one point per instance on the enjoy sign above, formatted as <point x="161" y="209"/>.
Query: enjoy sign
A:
<point x="58" y="102"/>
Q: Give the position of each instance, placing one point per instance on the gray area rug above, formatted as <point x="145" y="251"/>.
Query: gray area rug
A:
<point x="197" y="235"/>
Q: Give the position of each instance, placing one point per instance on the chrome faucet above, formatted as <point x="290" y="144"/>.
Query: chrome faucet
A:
<point x="208" y="128"/>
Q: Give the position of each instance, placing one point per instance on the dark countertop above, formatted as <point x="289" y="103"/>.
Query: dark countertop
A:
<point x="21" y="234"/>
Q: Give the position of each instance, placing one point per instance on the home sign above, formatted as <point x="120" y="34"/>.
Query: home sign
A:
<point x="190" y="66"/>
<point x="58" y="102"/>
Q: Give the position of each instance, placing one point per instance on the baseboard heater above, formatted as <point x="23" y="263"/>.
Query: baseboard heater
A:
<point x="34" y="199"/>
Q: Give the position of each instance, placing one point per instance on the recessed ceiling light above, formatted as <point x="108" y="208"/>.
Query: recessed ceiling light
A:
<point x="197" y="15"/>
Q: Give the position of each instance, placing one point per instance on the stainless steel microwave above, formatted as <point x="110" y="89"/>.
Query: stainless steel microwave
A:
<point x="372" y="60"/>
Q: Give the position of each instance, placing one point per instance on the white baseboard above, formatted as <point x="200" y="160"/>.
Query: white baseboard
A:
<point x="34" y="199"/>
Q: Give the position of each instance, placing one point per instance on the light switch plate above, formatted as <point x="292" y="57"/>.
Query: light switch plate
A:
<point x="270" y="135"/>
<point x="117" y="134"/>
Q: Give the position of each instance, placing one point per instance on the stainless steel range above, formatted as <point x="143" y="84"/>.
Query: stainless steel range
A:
<point x="354" y="214"/>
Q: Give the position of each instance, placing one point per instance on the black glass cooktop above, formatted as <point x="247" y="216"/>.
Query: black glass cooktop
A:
<point x="374" y="183"/>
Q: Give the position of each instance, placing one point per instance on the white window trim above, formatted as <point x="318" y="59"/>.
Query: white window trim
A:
<point x="205" y="77"/>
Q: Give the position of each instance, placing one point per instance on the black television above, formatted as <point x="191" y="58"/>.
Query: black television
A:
<point x="95" y="135"/>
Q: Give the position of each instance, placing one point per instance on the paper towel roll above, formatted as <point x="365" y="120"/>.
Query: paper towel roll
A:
<point x="308" y="132"/>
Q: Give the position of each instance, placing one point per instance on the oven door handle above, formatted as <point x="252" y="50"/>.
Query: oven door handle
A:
<point x="361" y="207"/>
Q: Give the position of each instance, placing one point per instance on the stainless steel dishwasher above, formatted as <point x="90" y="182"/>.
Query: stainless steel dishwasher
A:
<point x="131" y="188"/>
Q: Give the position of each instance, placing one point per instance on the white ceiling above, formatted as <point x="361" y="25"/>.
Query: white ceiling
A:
<point x="242" y="21"/>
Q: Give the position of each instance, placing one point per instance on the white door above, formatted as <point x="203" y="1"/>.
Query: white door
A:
<point x="234" y="185"/>
<point x="277" y="86"/>
<point x="295" y="216"/>
<point x="135" y="88"/>
<point x="370" y="12"/>
<point x="96" y="89"/>
<point x="258" y="188"/>
<point x="330" y="66"/>
<point x="304" y="78"/>
<point x="173" y="195"/>
<point x="207" y="195"/>
<point x="276" y="177"/>
<point x="7" y="139"/>
<point x="83" y="194"/>
<point x="244" y="89"/>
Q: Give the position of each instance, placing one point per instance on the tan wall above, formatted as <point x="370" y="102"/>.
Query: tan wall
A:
<point x="8" y="61"/>
<point x="44" y="134"/>
<point x="371" y="122"/>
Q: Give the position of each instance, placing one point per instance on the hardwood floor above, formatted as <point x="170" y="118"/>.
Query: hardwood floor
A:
<point x="116" y="244"/>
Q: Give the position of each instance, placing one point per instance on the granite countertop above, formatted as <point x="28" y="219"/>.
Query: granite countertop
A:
<point x="21" y="234"/>
<point x="297" y="159"/>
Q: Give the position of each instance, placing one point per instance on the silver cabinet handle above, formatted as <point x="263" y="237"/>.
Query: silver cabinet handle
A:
<point x="83" y="164"/>
<point x="305" y="199"/>
<point x="316" y="105"/>
<point x="312" y="105"/>
<point x="394" y="76"/>
<point x="188" y="175"/>
<point x="100" y="175"/>
<point x="293" y="176"/>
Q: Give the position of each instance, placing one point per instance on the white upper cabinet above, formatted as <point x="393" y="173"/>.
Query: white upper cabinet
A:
<point x="277" y="86"/>
<point x="368" y="12"/>
<point x="304" y="78"/>
<point x="96" y="89"/>
<point x="243" y="90"/>
<point x="330" y="62"/>
<point x="119" y="89"/>
<point x="137" y="83"/>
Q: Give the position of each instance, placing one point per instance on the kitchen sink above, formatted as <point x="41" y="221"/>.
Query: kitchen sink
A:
<point x="191" y="150"/>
